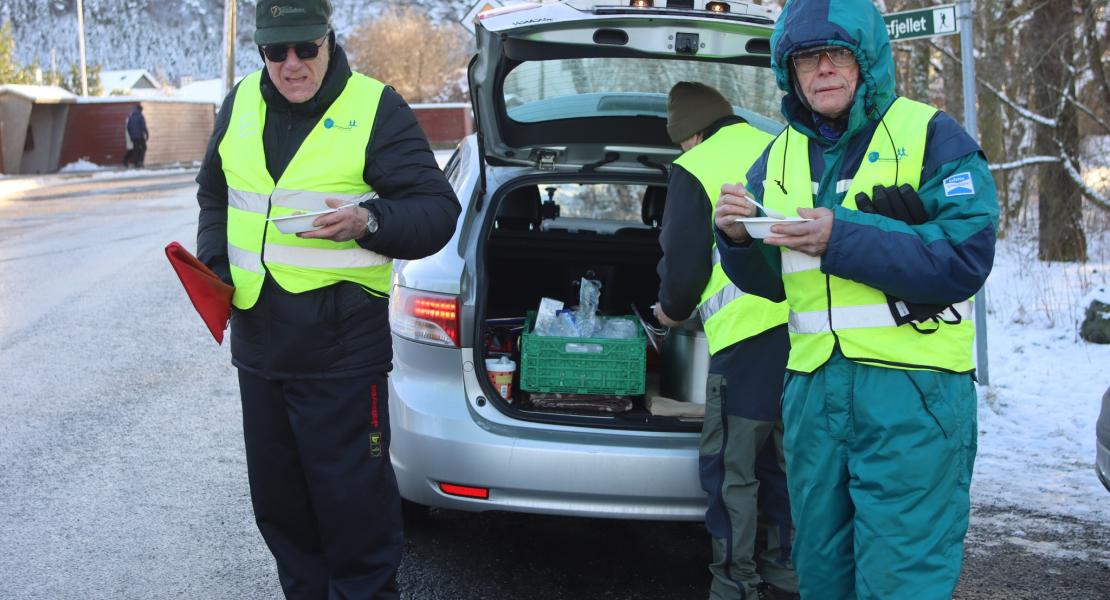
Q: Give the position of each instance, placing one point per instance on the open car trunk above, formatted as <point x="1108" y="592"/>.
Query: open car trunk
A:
<point x="575" y="93"/>
<point x="526" y="257"/>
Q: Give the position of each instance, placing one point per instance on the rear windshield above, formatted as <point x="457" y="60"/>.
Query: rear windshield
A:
<point x="610" y="201"/>
<point x="617" y="87"/>
<point x="598" y="207"/>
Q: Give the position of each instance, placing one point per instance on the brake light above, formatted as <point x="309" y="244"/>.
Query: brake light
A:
<point x="425" y="316"/>
<point x="464" y="490"/>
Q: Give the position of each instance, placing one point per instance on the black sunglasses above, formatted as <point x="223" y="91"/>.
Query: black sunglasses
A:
<point x="279" y="52"/>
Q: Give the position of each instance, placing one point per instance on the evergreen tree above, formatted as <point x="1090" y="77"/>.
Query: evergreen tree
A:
<point x="10" y="70"/>
<point x="72" y="81"/>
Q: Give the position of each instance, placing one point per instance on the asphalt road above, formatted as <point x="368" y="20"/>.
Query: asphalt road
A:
<point x="121" y="460"/>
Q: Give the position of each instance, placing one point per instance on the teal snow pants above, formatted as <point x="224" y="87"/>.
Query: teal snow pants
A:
<point x="878" y="464"/>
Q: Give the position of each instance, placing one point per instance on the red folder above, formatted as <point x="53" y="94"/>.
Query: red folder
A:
<point x="210" y="296"/>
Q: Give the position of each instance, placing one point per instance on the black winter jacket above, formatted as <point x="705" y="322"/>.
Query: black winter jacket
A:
<point x="136" y="125"/>
<point x="684" y="271"/>
<point x="687" y="239"/>
<point x="341" y="330"/>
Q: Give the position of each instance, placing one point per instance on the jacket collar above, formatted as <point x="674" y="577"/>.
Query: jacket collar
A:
<point x="721" y="123"/>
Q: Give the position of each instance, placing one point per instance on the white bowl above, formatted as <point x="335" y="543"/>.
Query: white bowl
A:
<point x="299" y="223"/>
<point x="760" y="227"/>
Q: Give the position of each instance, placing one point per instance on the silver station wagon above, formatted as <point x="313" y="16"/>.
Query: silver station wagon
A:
<point x="564" y="180"/>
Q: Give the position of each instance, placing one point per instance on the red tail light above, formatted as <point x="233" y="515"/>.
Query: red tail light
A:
<point x="464" y="490"/>
<point x="425" y="316"/>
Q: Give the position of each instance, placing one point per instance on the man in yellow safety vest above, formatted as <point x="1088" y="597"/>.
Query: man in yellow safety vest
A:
<point x="879" y="404"/>
<point x="740" y="458"/>
<point x="309" y="331"/>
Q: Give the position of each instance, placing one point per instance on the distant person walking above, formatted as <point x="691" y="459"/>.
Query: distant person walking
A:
<point x="138" y="134"/>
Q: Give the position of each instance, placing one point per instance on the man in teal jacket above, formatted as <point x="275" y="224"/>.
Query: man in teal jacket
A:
<point x="879" y="404"/>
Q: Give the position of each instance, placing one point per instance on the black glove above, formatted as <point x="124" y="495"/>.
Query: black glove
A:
<point x="903" y="203"/>
<point x="900" y="203"/>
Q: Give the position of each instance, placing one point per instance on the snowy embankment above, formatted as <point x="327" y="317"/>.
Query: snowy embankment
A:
<point x="1037" y="417"/>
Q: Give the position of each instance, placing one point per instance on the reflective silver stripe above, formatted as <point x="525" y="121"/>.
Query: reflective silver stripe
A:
<point x="311" y="201"/>
<point x="247" y="201"/>
<point x="858" y="317"/>
<point x="716" y="258"/>
<point x="816" y="187"/>
<point x="244" y="259"/>
<point x="319" y="258"/>
<point x="809" y="322"/>
<point x="717" y="301"/>
<point x="843" y="186"/>
<point x="796" y="262"/>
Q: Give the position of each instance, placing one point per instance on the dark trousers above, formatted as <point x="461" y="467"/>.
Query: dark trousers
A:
<point x="137" y="154"/>
<point x="324" y="492"/>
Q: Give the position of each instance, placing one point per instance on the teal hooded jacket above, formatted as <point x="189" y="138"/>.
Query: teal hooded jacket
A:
<point x="943" y="261"/>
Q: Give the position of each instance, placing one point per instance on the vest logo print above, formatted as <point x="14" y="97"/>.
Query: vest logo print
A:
<point x="330" y="123"/>
<point x="876" y="157"/>
<point x="959" y="184"/>
<point x="281" y="11"/>
<point x="248" y="125"/>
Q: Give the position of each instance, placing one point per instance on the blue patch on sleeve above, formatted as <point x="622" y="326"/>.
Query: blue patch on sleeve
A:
<point x="959" y="184"/>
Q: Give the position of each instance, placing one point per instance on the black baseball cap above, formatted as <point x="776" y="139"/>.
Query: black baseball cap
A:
<point x="291" y="21"/>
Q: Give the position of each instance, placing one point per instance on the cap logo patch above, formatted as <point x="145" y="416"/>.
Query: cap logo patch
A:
<point x="281" y="11"/>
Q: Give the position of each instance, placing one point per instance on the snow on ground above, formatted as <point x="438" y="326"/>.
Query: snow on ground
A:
<point x="1037" y="417"/>
<point x="79" y="166"/>
<point x="12" y="186"/>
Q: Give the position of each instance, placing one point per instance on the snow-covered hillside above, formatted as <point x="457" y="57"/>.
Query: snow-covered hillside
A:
<point x="169" y="39"/>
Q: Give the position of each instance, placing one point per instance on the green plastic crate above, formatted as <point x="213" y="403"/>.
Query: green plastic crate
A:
<point x="600" y="366"/>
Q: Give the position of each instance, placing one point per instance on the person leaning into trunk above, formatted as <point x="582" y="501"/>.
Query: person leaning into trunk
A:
<point x="309" y="330"/>
<point x="741" y="458"/>
<point x="880" y="400"/>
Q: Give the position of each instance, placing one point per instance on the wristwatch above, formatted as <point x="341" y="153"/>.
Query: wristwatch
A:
<point x="371" y="220"/>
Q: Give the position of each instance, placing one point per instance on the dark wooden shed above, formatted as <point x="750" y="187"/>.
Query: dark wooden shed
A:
<point x="43" y="129"/>
<point x="97" y="132"/>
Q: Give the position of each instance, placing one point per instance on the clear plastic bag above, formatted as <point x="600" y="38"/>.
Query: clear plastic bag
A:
<point x="546" y="316"/>
<point x="617" y="329"/>
<point x="564" y="325"/>
<point x="553" y="320"/>
<point x="589" y="295"/>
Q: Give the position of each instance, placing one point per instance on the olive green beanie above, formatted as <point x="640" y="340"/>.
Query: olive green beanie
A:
<point x="691" y="107"/>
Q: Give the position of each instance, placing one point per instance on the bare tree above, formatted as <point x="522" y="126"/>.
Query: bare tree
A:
<point x="1094" y="13"/>
<point x="1061" y="215"/>
<point x="1032" y="69"/>
<point x="424" y="60"/>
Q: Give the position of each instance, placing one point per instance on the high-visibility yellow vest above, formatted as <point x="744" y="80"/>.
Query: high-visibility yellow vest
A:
<point x="329" y="164"/>
<point x="728" y="314"/>
<point x="827" y="311"/>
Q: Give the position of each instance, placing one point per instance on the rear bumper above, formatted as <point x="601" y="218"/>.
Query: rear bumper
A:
<point x="441" y="435"/>
<point x="1102" y="461"/>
